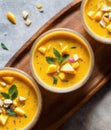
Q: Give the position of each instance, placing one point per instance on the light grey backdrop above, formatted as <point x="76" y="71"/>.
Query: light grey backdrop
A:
<point x="94" y="115"/>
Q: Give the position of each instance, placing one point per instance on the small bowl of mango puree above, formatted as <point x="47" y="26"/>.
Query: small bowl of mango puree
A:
<point x="20" y="100"/>
<point x="61" y="60"/>
<point x="96" y="15"/>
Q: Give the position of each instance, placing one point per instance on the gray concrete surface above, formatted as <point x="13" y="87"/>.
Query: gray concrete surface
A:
<point x="94" y="115"/>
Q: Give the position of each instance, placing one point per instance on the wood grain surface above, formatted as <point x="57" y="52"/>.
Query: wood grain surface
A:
<point x="57" y="108"/>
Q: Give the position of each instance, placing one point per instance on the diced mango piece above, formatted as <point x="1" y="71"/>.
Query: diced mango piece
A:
<point x="109" y="28"/>
<point x="91" y="14"/>
<point x="8" y="80"/>
<point x="76" y="65"/>
<point x="3" y="119"/>
<point x="64" y="50"/>
<point x="67" y="68"/>
<point x="11" y="17"/>
<point x="106" y="20"/>
<point x="19" y="111"/>
<point x="62" y="76"/>
<point x="51" y="69"/>
<point x="98" y="16"/>
<point x="15" y="103"/>
<point x="42" y="49"/>
<point x="49" y="47"/>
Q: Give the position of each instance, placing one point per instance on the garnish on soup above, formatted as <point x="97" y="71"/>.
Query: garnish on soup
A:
<point x="10" y="102"/>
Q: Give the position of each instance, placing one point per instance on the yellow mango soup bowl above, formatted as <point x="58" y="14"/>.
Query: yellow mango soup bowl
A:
<point x="20" y="100"/>
<point x="96" y="15"/>
<point x="61" y="60"/>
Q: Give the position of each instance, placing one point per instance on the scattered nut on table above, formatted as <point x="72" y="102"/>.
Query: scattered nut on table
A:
<point x="25" y="14"/>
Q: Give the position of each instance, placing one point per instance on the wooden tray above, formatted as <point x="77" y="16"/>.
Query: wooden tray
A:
<point x="57" y="108"/>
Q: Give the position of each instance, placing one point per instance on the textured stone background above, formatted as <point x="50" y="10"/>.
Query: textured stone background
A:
<point x="94" y="115"/>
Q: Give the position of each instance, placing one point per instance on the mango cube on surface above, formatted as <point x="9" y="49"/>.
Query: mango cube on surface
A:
<point x="8" y="80"/>
<point x="67" y="68"/>
<point x="91" y="14"/>
<point x="3" y="119"/>
<point x="62" y="76"/>
<point x="19" y="111"/>
<point x="109" y="28"/>
<point x="42" y="49"/>
<point x="11" y="17"/>
<point x="98" y="16"/>
<point x="51" y="69"/>
<point x="64" y="50"/>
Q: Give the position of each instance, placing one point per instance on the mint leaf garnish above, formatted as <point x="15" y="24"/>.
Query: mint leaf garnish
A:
<point x="3" y="46"/>
<point x="50" y="60"/>
<point x="55" y="79"/>
<point x="13" y="92"/>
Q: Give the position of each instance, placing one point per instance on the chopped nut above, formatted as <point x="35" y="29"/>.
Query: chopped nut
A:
<point x="76" y="57"/>
<point x="67" y="68"/>
<point x="11" y="17"/>
<point x="102" y="23"/>
<point x="3" y="84"/>
<point x="25" y="14"/>
<point x="7" y="101"/>
<point x="22" y="99"/>
<point x="28" y="22"/>
<point x="104" y="8"/>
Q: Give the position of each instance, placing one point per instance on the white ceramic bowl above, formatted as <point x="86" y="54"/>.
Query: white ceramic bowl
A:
<point x="73" y="87"/>
<point x="97" y="37"/>
<point x="25" y="76"/>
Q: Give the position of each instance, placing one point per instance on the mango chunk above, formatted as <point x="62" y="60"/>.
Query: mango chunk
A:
<point x="67" y="68"/>
<point x="19" y="111"/>
<point x="11" y="17"/>
<point x="62" y="76"/>
<point x="8" y="80"/>
<point x="64" y="50"/>
<point x="76" y="65"/>
<point x="42" y="49"/>
<point x="3" y="119"/>
<point x="15" y="103"/>
<point x="98" y="16"/>
<point x="106" y="20"/>
<point x="91" y="14"/>
<point x="51" y="69"/>
<point x="109" y="28"/>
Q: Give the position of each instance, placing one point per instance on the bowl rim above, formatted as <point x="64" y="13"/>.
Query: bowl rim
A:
<point x="87" y="28"/>
<point x="26" y="75"/>
<point x="68" y="89"/>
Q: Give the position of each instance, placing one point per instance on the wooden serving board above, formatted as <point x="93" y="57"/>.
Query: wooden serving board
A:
<point x="57" y="108"/>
